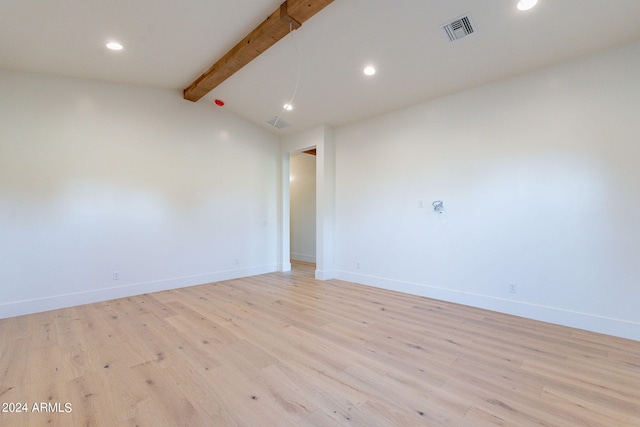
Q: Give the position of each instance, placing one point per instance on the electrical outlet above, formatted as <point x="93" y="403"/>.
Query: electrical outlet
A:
<point x="513" y="288"/>
<point x="358" y="265"/>
<point x="116" y="275"/>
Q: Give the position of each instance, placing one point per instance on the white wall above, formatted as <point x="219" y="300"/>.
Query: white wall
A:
<point x="540" y="178"/>
<point x="302" y="193"/>
<point x="98" y="177"/>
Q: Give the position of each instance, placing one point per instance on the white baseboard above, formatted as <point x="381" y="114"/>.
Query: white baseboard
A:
<point x="303" y="257"/>
<point x="284" y="267"/>
<point x="590" y="322"/>
<point x="54" y="302"/>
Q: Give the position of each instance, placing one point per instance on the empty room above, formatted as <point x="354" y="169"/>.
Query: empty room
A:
<point x="319" y="213"/>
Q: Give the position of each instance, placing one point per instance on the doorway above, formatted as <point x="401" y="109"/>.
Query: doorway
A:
<point x="322" y="140"/>
<point x="302" y="207"/>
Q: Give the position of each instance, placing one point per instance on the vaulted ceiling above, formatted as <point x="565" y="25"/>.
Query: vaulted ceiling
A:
<point x="168" y="44"/>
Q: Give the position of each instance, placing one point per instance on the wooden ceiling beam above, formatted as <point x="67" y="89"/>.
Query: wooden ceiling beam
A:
<point x="290" y="15"/>
<point x="302" y="10"/>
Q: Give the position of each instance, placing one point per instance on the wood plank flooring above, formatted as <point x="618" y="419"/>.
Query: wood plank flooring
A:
<point x="283" y="349"/>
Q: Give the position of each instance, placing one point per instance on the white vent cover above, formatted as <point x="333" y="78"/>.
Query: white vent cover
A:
<point x="458" y="28"/>
<point x="278" y="123"/>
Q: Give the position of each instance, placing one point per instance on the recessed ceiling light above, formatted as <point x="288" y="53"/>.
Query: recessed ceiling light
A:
<point x="369" y="70"/>
<point x="288" y="107"/>
<point x="114" y="46"/>
<point x="526" y="4"/>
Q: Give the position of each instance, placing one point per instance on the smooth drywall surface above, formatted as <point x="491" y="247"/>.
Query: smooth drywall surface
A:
<point x="325" y="205"/>
<point x="109" y="190"/>
<point x="303" y="207"/>
<point x="540" y="182"/>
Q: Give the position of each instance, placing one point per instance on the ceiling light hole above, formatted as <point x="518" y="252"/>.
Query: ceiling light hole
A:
<point x="369" y="70"/>
<point x="114" y="46"/>
<point x="288" y="107"/>
<point x="526" y="4"/>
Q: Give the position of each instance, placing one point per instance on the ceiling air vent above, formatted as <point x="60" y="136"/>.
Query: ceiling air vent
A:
<point x="458" y="28"/>
<point x="276" y="122"/>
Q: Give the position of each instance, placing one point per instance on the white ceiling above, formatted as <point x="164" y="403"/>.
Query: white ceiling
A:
<point x="168" y="43"/>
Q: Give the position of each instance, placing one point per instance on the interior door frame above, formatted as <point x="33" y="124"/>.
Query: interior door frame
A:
<point x="320" y="138"/>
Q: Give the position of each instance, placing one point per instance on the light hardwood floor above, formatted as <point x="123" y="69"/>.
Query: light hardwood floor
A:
<point x="282" y="349"/>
